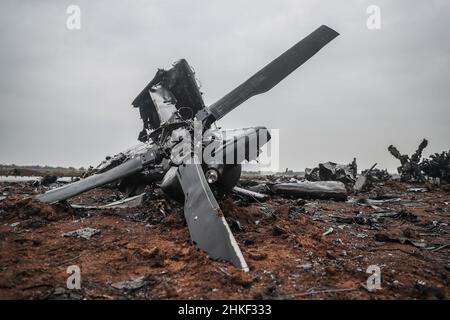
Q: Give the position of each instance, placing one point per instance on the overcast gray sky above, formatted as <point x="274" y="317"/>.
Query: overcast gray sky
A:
<point x="65" y="95"/>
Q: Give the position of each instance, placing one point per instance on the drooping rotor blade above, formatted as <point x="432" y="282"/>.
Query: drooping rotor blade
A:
<point x="245" y="145"/>
<point x="125" y="169"/>
<point x="274" y="72"/>
<point x="207" y="225"/>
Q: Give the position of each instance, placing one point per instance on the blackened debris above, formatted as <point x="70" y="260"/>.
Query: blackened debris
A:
<point x="409" y="169"/>
<point x="330" y="171"/>
<point x="437" y="166"/>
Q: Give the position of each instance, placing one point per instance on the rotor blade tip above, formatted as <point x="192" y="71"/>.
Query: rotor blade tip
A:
<point x="330" y="30"/>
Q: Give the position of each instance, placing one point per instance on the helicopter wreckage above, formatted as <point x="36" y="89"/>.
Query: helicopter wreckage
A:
<point x="178" y="131"/>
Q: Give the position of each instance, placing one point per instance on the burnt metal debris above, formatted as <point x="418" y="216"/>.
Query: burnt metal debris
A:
<point x="377" y="175"/>
<point x="168" y="106"/>
<point x="371" y="177"/>
<point x="437" y="166"/>
<point x="316" y="190"/>
<point x="348" y="175"/>
<point x="363" y="181"/>
<point x="410" y="169"/>
<point x="256" y="189"/>
<point x="330" y="171"/>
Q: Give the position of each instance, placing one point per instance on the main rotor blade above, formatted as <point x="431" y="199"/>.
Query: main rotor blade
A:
<point x="274" y="72"/>
<point x="207" y="225"/>
<point x="125" y="169"/>
<point x="244" y="146"/>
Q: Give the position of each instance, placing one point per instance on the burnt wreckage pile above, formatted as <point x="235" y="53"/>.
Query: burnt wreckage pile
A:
<point x="413" y="169"/>
<point x="331" y="171"/>
<point x="410" y="167"/>
<point x="437" y="166"/>
<point x="347" y="174"/>
<point x="171" y="106"/>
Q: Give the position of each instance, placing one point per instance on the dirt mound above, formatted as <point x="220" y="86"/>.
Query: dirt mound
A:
<point x="31" y="208"/>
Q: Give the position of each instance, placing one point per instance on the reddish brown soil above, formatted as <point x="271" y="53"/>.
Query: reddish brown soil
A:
<point x="288" y="255"/>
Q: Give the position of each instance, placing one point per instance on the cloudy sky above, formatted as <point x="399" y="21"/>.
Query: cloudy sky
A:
<point x="65" y="95"/>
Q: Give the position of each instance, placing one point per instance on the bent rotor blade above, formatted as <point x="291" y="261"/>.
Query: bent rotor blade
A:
<point x="274" y="72"/>
<point x="243" y="146"/>
<point x="125" y="169"/>
<point x="207" y="225"/>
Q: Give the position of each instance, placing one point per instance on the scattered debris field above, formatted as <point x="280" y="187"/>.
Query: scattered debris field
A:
<point x="296" y="248"/>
